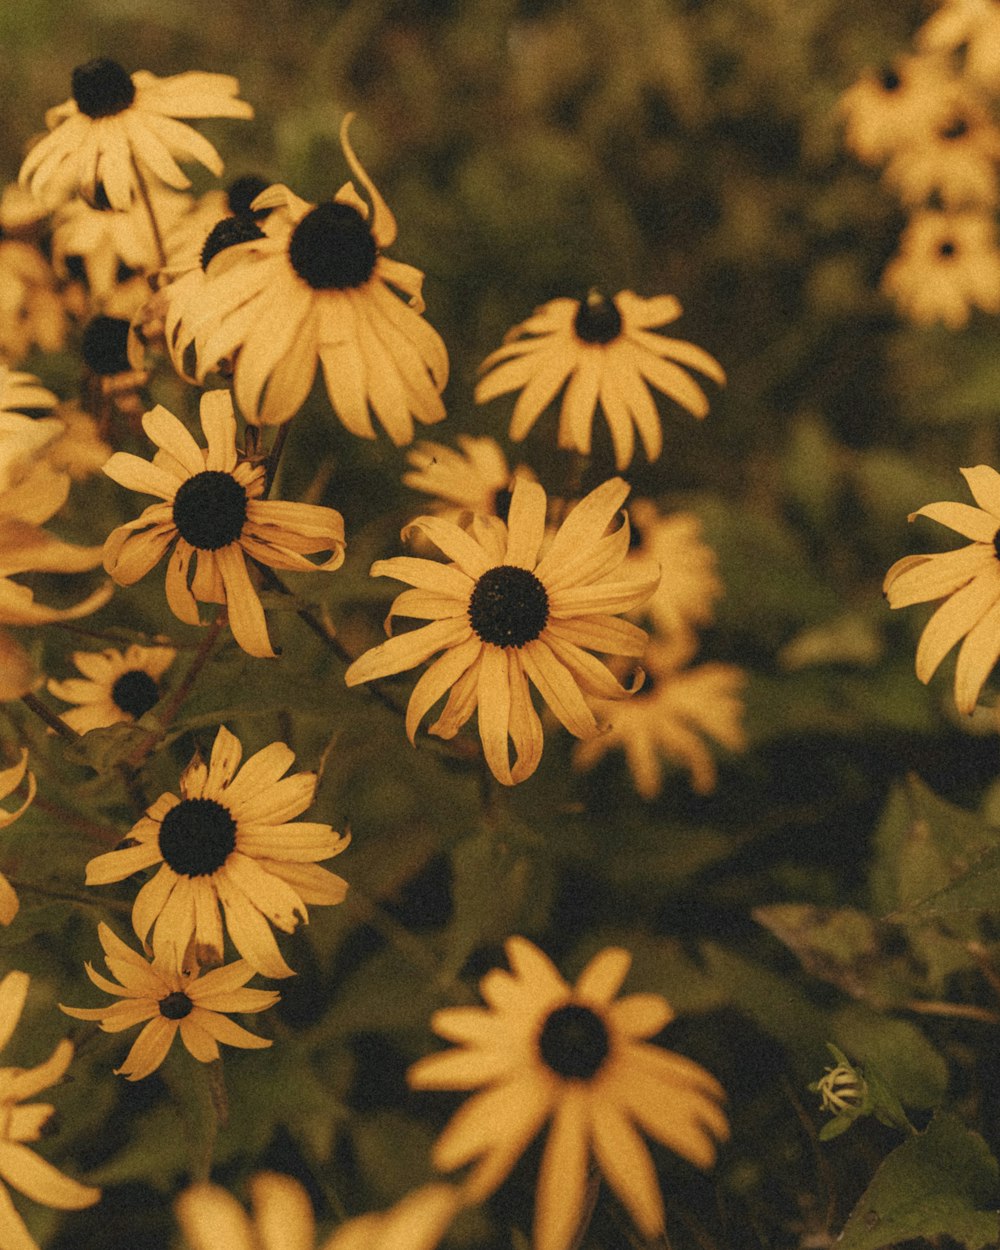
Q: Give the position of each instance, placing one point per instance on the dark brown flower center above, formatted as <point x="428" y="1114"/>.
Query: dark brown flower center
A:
<point x="101" y="88"/>
<point x="508" y="607"/>
<point x="890" y="80"/>
<point x="597" y="320"/>
<point x="134" y="692"/>
<point x="332" y="248"/>
<point x="226" y="233"/>
<point x="947" y="248"/>
<point x="197" y="837"/>
<point x="242" y="192"/>
<point x="210" y="510"/>
<point x="955" y="129"/>
<point x="176" y="1006"/>
<point x="574" y="1042"/>
<point x="105" y="346"/>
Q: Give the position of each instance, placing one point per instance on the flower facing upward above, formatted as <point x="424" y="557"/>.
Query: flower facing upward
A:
<point x="948" y="264"/>
<point x="544" y="1049"/>
<point x="118" y="124"/>
<point x="231" y="838"/>
<point x="116" y="686"/>
<point x="503" y="615"/>
<point x="213" y="510"/>
<point x="968" y="579"/>
<point x="605" y="351"/>
<point x="169" y="1000"/>
<point x="10" y="779"/>
<point x="19" y="1123"/>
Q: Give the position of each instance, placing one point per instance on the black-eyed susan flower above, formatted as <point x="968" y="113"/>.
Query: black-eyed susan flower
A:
<point x="169" y="1000"/>
<point x="119" y="127"/>
<point x="605" y="352"/>
<point x="892" y="108"/>
<point x="967" y="579"/>
<point x="212" y="511"/>
<point x="972" y="26"/>
<point x="22" y="1122"/>
<point x="10" y="779"/>
<point x="947" y="264"/>
<point x="317" y="290"/>
<point x="954" y="162"/>
<point x="116" y="686"/>
<point x="503" y="616"/>
<point x="230" y="838"/>
<point x="542" y="1049"/>
<point x="474" y="478"/>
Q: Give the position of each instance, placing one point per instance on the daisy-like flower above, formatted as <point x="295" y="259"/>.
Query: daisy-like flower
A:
<point x="212" y="509"/>
<point x="20" y="1167"/>
<point x="316" y="290"/>
<point x="10" y="779"/>
<point x="690" y="583"/>
<point x="475" y="478"/>
<point x="542" y="1049"/>
<point x="974" y="25"/>
<point x="231" y="838"/>
<point x="947" y="264"/>
<point x="503" y="616"/>
<point x="883" y="111"/>
<point x="116" y="686"/>
<point x="169" y="1000"/>
<point x="119" y="127"/>
<point x="212" y="1219"/>
<point x="955" y="160"/>
<point x="23" y="393"/>
<point x="31" y="309"/>
<point x="604" y="351"/>
<point x="967" y="579"/>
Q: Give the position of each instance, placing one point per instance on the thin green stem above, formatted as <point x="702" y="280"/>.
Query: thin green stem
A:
<point x="68" y="896"/>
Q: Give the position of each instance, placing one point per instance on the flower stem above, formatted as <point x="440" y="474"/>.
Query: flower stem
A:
<point x="52" y="719"/>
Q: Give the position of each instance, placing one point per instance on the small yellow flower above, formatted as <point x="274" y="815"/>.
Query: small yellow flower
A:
<point x="690" y="582"/>
<point x="841" y="1089"/>
<point x="476" y="478"/>
<point x="947" y="264"/>
<point x="892" y="109"/>
<point x="116" y="686"/>
<point x="955" y="161"/>
<point x="10" y="779"/>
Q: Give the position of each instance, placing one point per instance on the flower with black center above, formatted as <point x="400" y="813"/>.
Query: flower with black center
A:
<point x="171" y="1000"/>
<point x="117" y="129"/>
<point x="317" y="290"/>
<point x="953" y="162"/>
<point x="544" y="1050"/>
<point x="503" y="616"/>
<point x="115" y="687"/>
<point x="971" y="27"/>
<point x="967" y="579"/>
<point x="230" y="838"/>
<point x="476" y="478"/>
<point x="10" y="779"/>
<point x="947" y="264"/>
<point x="213" y="511"/>
<point x="22" y="1122"/>
<point x="605" y="352"/>
<point x="889" y="109"/>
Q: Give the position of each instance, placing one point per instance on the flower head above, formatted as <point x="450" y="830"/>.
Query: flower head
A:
<point x="230" y="838"/>
<point x="31" y="309"/>
<point x="690" y="583"/>
<point x="213" y="511"/>
<point x="116" y="686"/>
<point x="947" y="264"/>
<point x="973" y="25"/>
<point x="476" y="478"/>
<point x="20" y="1167"/>
<point x="892" y="108"/>
<point x="955" y="161"/>
<point x="503" y="614"/>
<point x="604" y="351"/>
<point x="543" y="1049"/>
<point x="169" y="1000"/>
<point x="10" y="779"/>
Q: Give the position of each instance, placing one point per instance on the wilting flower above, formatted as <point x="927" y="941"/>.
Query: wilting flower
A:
<point x="896" y="107"/>
<point x="20" y="1167"/>
<point x="213" y="510"/>
<point x="316" y="290"/>
<point x="605" y="351"/>
<point x="116" y="686"/>
<point x="947" y="264"/>
<point x="10" y="779"/>
<point x="475" y="478"/>
<point x="231" y="838"/>
<point x="543" y="1049"/>
<point x="503" y="616"/>
<point x="169" y="1000"/>
<point x="118" y="128"/>
<point x="968" y="579"/>
<point x="955" y="161"/>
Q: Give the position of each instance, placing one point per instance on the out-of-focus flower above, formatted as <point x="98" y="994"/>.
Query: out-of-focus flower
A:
<point x="947" y="264"/>
<point x="474" y="479"/>
<point x="974" y="25"/>
<point x="689" y="581"/>
<point x="894" y="108"/>
<point x="955" y="160"/>
<point x="79" y="450"/>
<point x="605" y="352"/>
<point x="543" y="1049"/>
<point x="116" y="686"/>
<point x="10" y="779"/>
<point x="31" y="309"/>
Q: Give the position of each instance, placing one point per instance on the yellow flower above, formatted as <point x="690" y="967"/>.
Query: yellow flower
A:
<point x="116" y="686"/>
<point x="117" y="124"/>
<point x="895" y="108"/>
<point x="606" y="352"/>
<point x="503" y="616"/>
<point x="947" y="264"/>
<point x="955" y="161"/>
<point x="476" y="478"/>
<point x="690" y="583"/>
<point x="231" y="838"/>
<point x="973" y="26"/>
<point x="316" y="290"/>
<point x="171" y="1000"/>
<point x="20" y="1167"/>
<point x="542" y="1050"/>
<point x="213" y="508"/>
<point x="968" y="579"/>
<point x="31" y="309"/>
<point x="10" y="779"/>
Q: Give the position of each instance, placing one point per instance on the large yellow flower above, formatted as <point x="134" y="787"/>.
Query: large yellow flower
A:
<point x="605" y="352"/>
<point x="213" y="509"/>
<point x="10" y="779"/>
<point x="231" y="838"/>
<point x="116" y="686"/>
<point x="504" y="613"/>
<point x="543" y="1049"/>
<point x="19" y="1166"/>
<point x="168" y="1000"/>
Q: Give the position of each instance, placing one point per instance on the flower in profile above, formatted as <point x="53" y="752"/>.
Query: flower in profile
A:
<point x="119" y="128"/>
<point x="542" y="1049"/>
<point x="10" y="779"/>
<point x="316" y="289"/>
<point x="213" y="510"/>
<point x="476" y="478"/>
<point x="169" y="1000"/>
<point x="690" y="583"/>
<point x="20" y="1167"/>
<point x="947" y="264"/>
<point x="954" y="161"/>
<point x="231" y="838"/>
<point x="974" y="26"/>
<point x="604" y="351"/>
<point x="967" y="579"/>
<point x="503" y="616"/>
<point x="116" y="686"/>
<point x="887" y="110"/>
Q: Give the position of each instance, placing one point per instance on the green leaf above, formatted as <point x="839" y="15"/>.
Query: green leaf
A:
<point x="913" y="1068"/>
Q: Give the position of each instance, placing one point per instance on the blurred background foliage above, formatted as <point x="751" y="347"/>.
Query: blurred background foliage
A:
<point x="532" y="149"/>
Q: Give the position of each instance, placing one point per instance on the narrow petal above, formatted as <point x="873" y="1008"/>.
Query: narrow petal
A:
<point x="40" y="1181"/>
<point x="603" y="976"/>
<point x="149" y="1049"/>
<point x="562" y="1176"/>
<point x="976" y="658"/>
<point x="243" y="606"/>
<point x="953" y="620"/>
<point x="625" y="1161"/>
